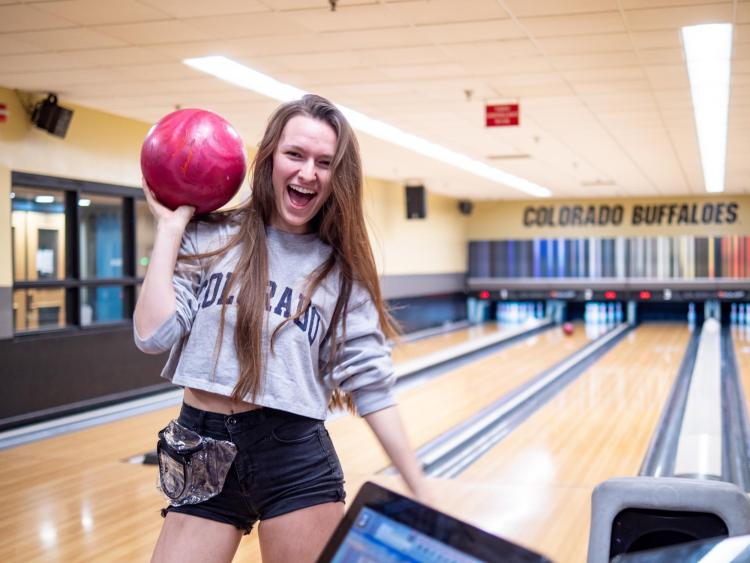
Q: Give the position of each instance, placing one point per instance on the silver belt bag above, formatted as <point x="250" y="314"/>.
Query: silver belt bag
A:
<point x="192" y="468"/>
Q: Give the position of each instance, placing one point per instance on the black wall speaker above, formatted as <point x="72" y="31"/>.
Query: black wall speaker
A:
<point x="465" y="207"/>
<point x="415" y="202"/>
<point x="52" y="118"/>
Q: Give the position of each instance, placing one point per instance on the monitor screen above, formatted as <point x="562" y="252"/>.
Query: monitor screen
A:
<point x="377" y="538"/>
<point x="384" y="526"/>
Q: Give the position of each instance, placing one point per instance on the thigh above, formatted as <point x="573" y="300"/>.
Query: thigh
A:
<point x="188" y="539"/>
<point x="299" y="536"/>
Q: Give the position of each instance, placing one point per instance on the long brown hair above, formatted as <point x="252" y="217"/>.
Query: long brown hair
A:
<point x="340" y="223"/>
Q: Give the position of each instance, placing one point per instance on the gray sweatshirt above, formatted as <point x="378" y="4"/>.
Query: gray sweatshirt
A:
<point x="294" y="378"/>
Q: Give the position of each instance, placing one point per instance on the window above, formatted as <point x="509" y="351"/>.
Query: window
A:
<point x="80" y="251"/>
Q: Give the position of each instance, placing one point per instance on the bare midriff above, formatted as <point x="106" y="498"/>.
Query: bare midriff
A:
<point x="212" y="402"/>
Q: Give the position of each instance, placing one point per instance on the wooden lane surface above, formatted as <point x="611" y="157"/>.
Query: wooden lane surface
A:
<point x="598" y="427"/>
<point x="433" y="408"/>
<point x="70" y="498"/>
<point x="741" y="341"/>
<point x="407" y="351"/>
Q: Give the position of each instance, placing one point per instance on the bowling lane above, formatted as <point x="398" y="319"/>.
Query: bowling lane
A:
<point x="741" y="341"/>
<point x="407" y="351"/>
<point x="65" y="496"/>
<point x="437" y="406"/>
<point x="597" y="428"/>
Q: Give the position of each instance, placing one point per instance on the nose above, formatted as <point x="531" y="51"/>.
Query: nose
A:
<point x="307" y="170"/>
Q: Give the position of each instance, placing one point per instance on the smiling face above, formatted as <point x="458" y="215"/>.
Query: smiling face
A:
<point x="302" y="172"/>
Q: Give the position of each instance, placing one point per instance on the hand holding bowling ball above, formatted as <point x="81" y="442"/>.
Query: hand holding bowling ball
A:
<point x="177" y="218"/>
<point x="193" y="157"/>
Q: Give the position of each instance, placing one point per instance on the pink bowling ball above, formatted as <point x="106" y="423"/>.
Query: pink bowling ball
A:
<point x="193" y="157"/>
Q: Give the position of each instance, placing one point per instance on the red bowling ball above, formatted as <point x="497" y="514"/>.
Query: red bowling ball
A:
<point x="567" y="329"/>
<point x="193" y="157"/>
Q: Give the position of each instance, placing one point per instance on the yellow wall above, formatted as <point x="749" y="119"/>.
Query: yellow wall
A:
<point x="505" y="219"/>
<point x="99" y="146"/>
<point x="433" y="245"/>
<point x="105" y="148"/>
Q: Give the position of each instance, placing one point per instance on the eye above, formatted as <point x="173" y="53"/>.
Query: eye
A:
<point x="293" y="154"/>
<point x="325" y="163"/>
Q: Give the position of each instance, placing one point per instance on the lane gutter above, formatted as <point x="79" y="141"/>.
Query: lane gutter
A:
<point x="452" y="452"/>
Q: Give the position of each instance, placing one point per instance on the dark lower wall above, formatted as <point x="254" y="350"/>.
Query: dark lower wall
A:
<point x="47" y="376"/>
<point x="6" y="312"/>
<point x="51" y="375"/>
<point x="417" y="313"/>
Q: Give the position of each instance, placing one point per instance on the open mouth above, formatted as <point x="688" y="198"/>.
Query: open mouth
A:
<point x="299" y="196"/>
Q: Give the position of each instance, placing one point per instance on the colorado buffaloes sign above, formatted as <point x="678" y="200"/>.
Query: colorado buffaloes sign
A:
<point x="613" y="215"/>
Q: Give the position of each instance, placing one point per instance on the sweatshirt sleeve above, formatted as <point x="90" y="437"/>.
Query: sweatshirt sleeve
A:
<point x="363" y="368"/>
<point x="186" y="282"/>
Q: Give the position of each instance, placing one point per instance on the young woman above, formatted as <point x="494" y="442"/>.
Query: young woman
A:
<point x="273" y="312"/>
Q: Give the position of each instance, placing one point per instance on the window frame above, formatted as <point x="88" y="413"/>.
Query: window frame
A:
<point x="71" y="282"/>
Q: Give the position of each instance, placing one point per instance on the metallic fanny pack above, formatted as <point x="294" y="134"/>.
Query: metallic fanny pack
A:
<point x="192" y="468"/>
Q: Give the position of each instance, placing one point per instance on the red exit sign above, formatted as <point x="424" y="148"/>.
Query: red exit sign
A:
<point x="501" y="115"/>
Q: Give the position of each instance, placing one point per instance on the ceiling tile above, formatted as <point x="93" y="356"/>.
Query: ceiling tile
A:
<point x="182" y="10"/>
<point x="635" y="4"/>
<point x="574" y="44"/>
<point x="18" y="17"/>
<point x="612" y="87"/>
<point x="96" y="12"/>
<point x="151" y="33"/>
<point x="580" y="24"/>
<point x="491" y="50"/>
<point x="403" y="55"/>
<point x="661" y="56"/>
<point x="674" y="18"/>
<point x="345" y="18"/>
<point x="12" y="44"/>
<point x="524" y="8"/>
<point x="424" y="71"/>
<point x="118" y="56"/>
<point x="315" y="61"/>
<point x="309" y="4"/>
<point x="667" y="77"/>
<point x="70" y="39"/>
<point x="247" y="25"/>
<point x="661" y="39"/>
<point x="421" y="12"/>
<point x="379" y="38"/>
<point x="594" y="60"/>
<point x="604" y="74"/>
<point x="515" y="66"/>
<point x="37" y="62"/>
<point x="471" y="31"/>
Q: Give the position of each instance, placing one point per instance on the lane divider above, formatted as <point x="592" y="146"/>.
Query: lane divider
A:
<point x="452" y="452"/>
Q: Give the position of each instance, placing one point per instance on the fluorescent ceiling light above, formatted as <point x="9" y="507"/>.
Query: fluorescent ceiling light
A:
<point x="245" y="77"/>
<point x="708" y="49"/>
<point x="84" y="202"/>
<point x="44" y="199"/>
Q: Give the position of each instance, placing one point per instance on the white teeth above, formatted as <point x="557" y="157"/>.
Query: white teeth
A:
<point x="302" y="190"/>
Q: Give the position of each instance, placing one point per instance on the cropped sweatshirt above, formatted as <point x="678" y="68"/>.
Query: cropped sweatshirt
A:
<point x="294" y="376"/>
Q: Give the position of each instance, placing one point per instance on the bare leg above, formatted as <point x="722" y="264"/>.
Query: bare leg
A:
<point x="299" y="536"/>
<point x="190" y="539"/>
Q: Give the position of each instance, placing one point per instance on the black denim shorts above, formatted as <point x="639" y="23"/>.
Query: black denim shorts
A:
<point x="284" y="462"/>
